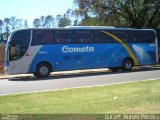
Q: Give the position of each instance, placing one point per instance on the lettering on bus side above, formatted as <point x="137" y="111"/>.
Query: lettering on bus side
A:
<point x="67" y="49"/>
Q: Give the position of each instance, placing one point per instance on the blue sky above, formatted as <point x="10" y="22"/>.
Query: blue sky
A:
<point x="31" y="9"/>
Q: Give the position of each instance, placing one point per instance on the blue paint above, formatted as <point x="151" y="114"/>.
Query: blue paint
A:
<point x="103" y="56"/>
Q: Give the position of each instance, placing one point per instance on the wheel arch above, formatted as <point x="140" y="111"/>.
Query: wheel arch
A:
<point x="46" y="62"/>
<point x="126" y="58"/>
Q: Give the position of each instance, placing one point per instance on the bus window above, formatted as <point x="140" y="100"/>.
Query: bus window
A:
<point x="63" y="37"/>
<point x="19" y="44"/>
<point x="41" y="37"/>
<point x="135" y="37"/>
<point x="149" y="36"/>
<point x="101" y="37"/>
<point x="84" y="36"/>
<point x="122" y="35"/>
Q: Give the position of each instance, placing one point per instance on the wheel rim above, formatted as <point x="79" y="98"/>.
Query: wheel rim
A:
<point x="128" y="65"/>
<point x="43" y="70"/>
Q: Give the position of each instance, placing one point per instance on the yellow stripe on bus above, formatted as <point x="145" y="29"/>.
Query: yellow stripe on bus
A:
<point x="125" y="46"/>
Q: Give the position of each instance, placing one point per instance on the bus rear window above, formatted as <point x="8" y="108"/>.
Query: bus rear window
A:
<point x="135" y="37"/>
<point x="149" y="36"/>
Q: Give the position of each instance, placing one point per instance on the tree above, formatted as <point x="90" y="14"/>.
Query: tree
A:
<point x="12" y="23"/>
<point x="36" y="23"/>
<point x="49" y="21"/>
<point x="120" y="13"/>
<point x="25" y="24"/>
<point x="127" y="13"/>
<point x="1" y="26"/>
<point x="44" y="21"/>
<point x="64" y="21"/>
<point x="6" y="24"/>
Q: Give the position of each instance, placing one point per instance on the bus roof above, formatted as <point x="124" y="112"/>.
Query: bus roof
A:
<point x="87" y="28"/>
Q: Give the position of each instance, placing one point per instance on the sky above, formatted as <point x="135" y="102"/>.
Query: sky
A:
<point x="31" y="9"/>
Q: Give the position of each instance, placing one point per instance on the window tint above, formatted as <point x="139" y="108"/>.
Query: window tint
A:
<point x="63" y="37"/>
<point x="41" y="37"/>
<point x="122" y="35"/>
<point x="149" y="36"/>
<point x="19" y="44"/>
<point x="135" y="36"/>
<point x="101" y="37"/>
<point x="84" y="36"/>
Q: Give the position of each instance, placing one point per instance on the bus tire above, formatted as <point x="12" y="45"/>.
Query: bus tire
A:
<point x="43" y="70"/>
<point x="114" y="69"/>
<point x="127" y="64"/>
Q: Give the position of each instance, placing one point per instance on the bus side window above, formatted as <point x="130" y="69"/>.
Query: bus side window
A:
<point x="84" y="36"/>
<point x="47" y="37"/>
<point x="63" y="37"/>
<point x="122" y="35"/>
<point x="101" y="37"/>
<point x="37" y="38"/>
<point x="41" y="37"/>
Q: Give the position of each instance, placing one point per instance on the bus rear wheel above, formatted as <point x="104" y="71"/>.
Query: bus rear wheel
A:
<point x="127" y="65"/>
<point x="43" y="70"/>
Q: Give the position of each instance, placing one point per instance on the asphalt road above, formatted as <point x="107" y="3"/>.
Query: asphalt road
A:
<point x="31" y="84"/>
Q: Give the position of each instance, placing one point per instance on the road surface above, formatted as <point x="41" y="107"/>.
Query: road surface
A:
<point x="31" y="84"/>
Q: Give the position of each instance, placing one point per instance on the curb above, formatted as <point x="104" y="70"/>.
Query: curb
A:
<point x="157" y="66"/>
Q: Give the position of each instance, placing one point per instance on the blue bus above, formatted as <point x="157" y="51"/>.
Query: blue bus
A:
<point x="41" y="51"/>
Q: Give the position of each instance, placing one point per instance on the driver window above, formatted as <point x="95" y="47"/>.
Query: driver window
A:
<point x="19" y="44"/>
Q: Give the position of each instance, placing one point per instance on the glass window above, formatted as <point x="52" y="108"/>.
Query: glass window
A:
<point x="19" y="44"/>
<point x="63" y="37"/>
<point x="149" y="36"/>
<point x="101" y="37"/>
<point x="41" y="37"/>
<point x="135" y="37"/>
<point x="122" y="35"/>
<point x="84" y="36"/>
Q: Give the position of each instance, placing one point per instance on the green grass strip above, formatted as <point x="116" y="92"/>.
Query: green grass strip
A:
<point x="136" y="98"/>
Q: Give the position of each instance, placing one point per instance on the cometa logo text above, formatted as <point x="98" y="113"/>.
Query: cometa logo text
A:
<point x="67" y="49"/>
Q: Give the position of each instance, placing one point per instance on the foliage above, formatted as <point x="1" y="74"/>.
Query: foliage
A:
<point x="44" y="21"/>
<point x="12" y="23"/>
<point x="120" y="13"/>
<point x="64" y="21"/>
<point x="49" y="21"/>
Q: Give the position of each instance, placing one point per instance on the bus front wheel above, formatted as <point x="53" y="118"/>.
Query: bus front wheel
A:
<point x="127" y="65"/>
<point x="43" y="70"/>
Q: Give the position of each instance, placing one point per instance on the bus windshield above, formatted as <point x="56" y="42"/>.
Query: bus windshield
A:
<point x="19" y="44"/>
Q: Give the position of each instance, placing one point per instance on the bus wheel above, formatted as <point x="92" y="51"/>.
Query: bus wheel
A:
<point x="114" y="69"/>
<point x="43" y="70"/>
<point x="127" y="65"/>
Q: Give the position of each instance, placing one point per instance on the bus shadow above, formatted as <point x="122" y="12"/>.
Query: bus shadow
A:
<point x="82" y="74"/>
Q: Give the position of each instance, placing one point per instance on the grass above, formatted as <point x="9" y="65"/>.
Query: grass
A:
<point x="137" y="98"/>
